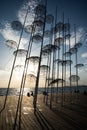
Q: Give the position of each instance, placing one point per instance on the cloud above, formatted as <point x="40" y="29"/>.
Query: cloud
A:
<point x="3" y="75"/>
<point x="9" y="34"/>
<point x="80" y="36"/>
<point x="84" y="55"/>
<point x="3" y="72"/>
<point x="30" y="5"/>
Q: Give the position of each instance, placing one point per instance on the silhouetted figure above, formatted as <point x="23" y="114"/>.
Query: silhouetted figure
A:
<point x="28" y="94"/>
<point x="45" y="93"/>
<point x="31" y="93"/>
<point x="85" y="92"/>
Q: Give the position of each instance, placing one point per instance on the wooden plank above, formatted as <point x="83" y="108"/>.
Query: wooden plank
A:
<point x="58" y="118"/>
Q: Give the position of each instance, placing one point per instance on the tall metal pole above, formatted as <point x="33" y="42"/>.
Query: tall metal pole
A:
<point x="46" y="78"/>
<point x="38" y="73"/>
<point x="65" y="64"/>
<point x="76" y="63"/>
<point x="70" y="65"/>
<point x="62" y="102"/>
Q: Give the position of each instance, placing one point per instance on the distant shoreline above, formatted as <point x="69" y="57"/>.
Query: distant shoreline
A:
<point x="15" y="91"/>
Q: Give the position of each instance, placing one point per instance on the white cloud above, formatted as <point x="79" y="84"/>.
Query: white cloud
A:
<point x="10" y="34"/>
<point x="3" y="72"/>
<point x="80" y="36"/>
<point x="22" y="12"/>
<point x="84" y="55"/>
<point x="3" y="76"/>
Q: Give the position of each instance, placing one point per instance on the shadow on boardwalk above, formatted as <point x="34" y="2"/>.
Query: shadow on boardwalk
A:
<point x="45" y="125"/>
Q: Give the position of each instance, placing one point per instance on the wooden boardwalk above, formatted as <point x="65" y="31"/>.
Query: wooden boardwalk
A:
<point x="68" y="117"/>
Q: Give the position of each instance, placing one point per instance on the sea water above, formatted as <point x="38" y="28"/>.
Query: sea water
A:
<point x="16" y="91"/>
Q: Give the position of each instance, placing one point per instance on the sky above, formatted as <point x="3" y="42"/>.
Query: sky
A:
<point x="12" y="10"/>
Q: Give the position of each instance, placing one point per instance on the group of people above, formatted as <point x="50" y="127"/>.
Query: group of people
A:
<point x="32" y="94"/>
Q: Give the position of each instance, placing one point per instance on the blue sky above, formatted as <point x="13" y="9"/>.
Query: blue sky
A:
<point x="11" y="10"/>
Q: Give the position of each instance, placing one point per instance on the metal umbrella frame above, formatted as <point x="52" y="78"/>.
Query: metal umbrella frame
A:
<point x="59" y="61"/>
<point x="37" y="38"/>
<point x="67" y="36"/>
<point x="57" y="80"/>
<point x="16" y="25"/>
<point x="59" y="41"/>
<point x="67" y="62"/>
<point x="47" y="33"/>
<point x="44" y="68"/>
<point x="79" y="65"/>
<point x="31" y="76"/>
<point x="20" y="52"/>
<point x="49" y="48"/>
<point x="74" y="78"/>
<point x="38" y="25"/>
<point x="33" y="59"/>
<point x="67" y="54"/>
<point x="78" y="45"/>
<point x="66" y="26"/>
<point x="59" y="27"/>
<point x="11" y="44"/>
<point x="28" y="29"/>
<point x="73" y="50"/>
<point x="49" y="18"/>
<point x="40" y="9"/>
<point x="18" y="66"/>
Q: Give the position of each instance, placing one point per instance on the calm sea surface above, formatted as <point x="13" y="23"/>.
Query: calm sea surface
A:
<point x="15" y="91"/>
